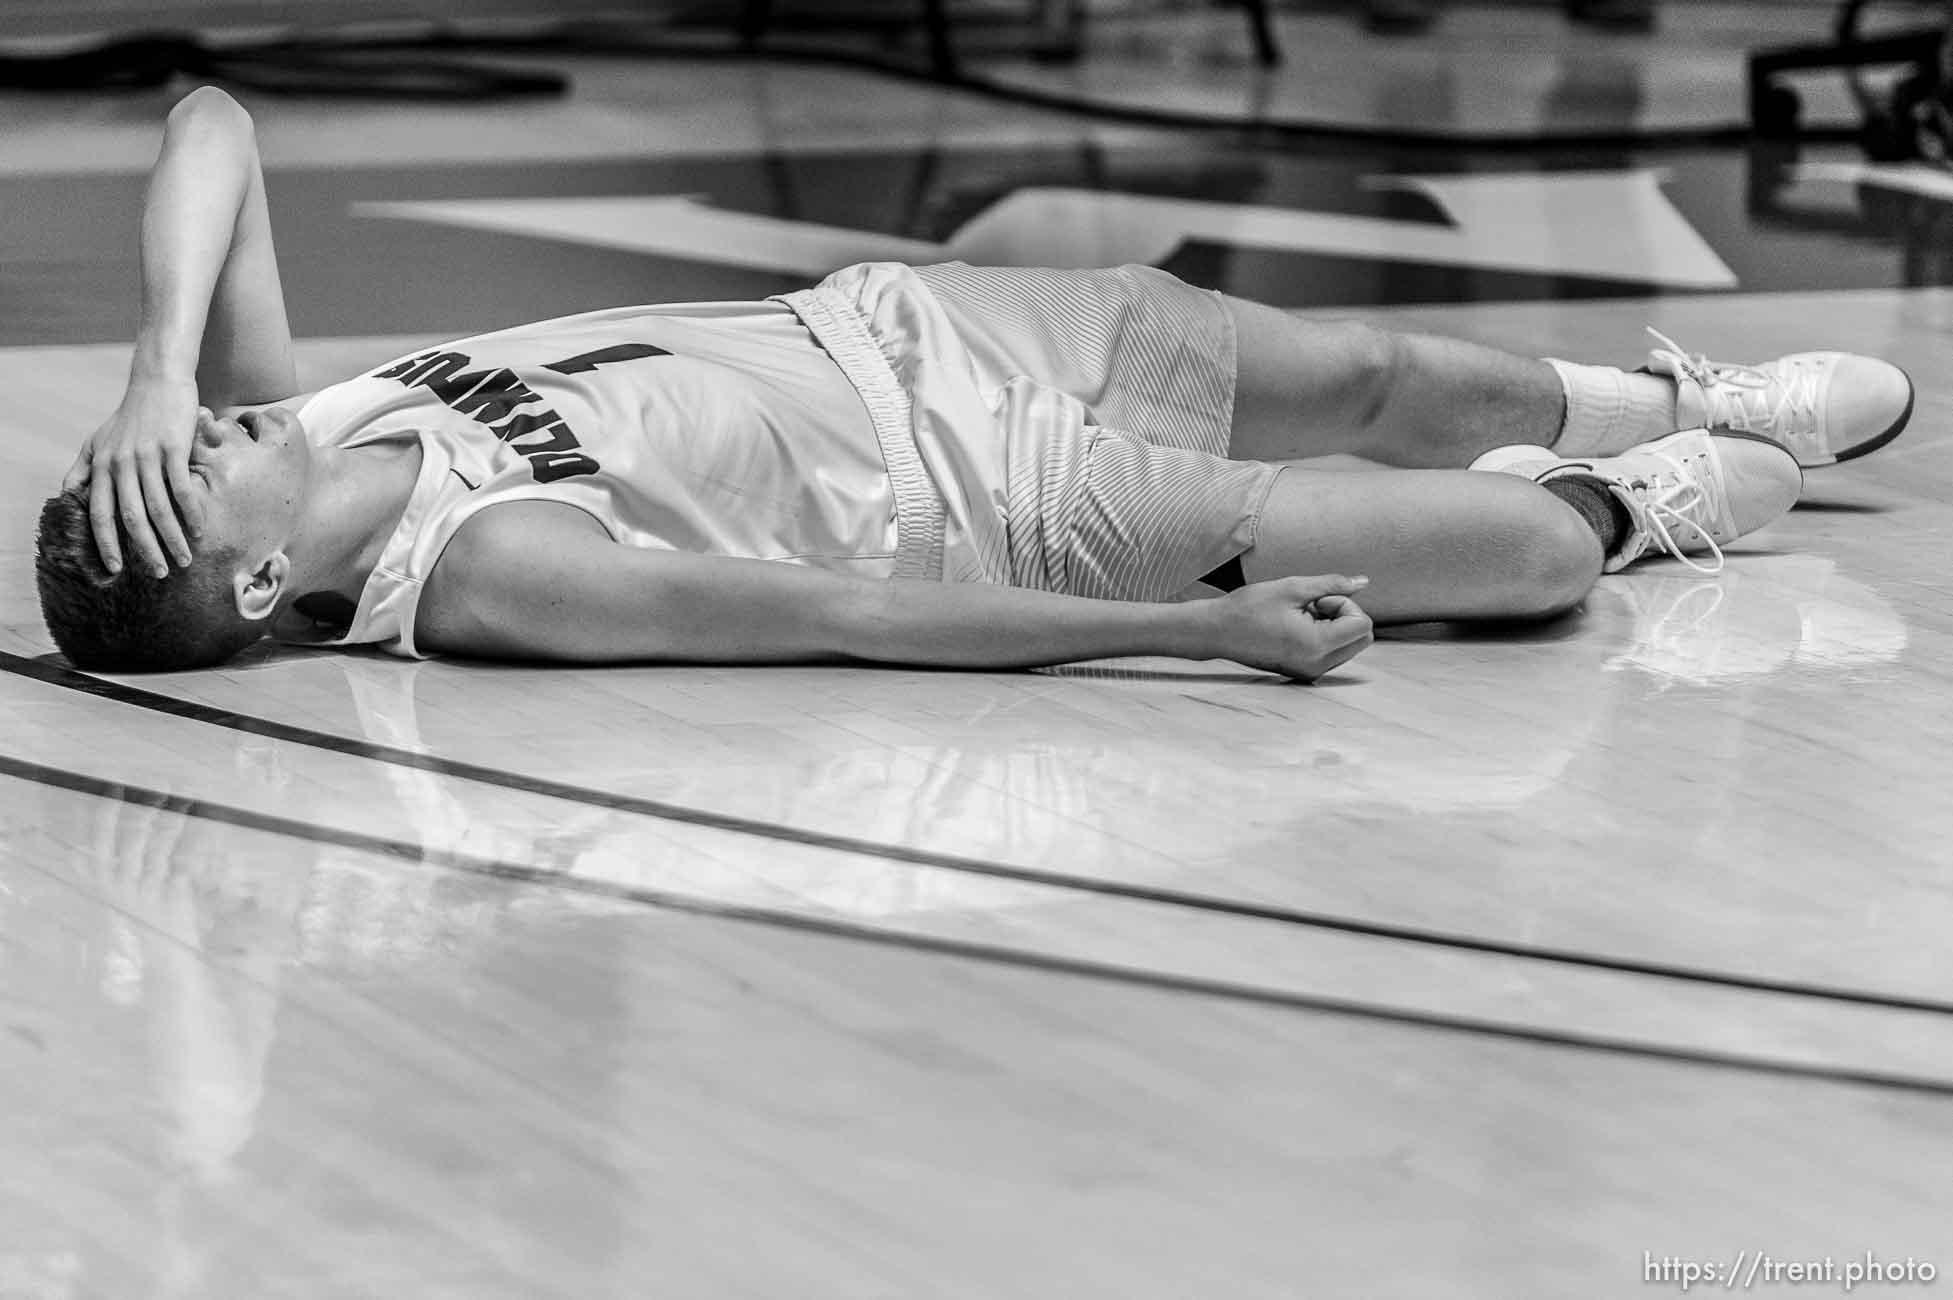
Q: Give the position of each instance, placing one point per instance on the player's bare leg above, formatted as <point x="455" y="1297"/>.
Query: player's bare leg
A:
<point x="1316" y="388"/>
<point x="1308" y="389"/>
<point x="1460" y="544"/>
<point x="1435" y="544"/>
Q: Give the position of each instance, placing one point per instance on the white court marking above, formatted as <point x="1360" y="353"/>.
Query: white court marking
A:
<point x="1610" y="225"/>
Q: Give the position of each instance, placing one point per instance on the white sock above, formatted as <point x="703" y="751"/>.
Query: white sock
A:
<point x="1609" y="410"/>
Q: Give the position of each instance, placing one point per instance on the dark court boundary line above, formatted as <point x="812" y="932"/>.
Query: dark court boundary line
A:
<point x="56" y="674"/>
<point x="963" y="949"/>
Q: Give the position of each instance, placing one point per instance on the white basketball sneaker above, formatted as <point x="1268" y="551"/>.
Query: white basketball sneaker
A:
<point x="1692" y="492"/>
<point x="1824" y="406"/>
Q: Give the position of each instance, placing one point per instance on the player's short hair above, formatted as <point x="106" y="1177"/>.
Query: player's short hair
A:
<point x="132" y="621"/>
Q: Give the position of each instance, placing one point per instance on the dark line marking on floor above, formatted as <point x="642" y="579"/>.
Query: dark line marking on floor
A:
<point x="68" y="678"/>
<point x="990" y="954"/>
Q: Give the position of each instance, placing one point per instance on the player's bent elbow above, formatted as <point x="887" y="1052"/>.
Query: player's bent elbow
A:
<point x="211" y="105"/>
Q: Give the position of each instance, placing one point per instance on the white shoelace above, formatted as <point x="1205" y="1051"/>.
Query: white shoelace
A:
<point x="1664" y="505"/>
<point x="1739" y="396"/>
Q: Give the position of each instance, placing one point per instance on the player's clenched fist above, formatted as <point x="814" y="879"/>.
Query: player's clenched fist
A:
<point x="1299" y="627"/>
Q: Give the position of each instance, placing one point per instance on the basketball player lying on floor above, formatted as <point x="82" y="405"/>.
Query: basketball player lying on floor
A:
<point x="942" y="465"/>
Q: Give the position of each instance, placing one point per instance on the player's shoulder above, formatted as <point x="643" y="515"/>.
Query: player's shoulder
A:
<point x="506" y="560"/>
<point x="506" y="574"/>
<point x="507" y="533"/>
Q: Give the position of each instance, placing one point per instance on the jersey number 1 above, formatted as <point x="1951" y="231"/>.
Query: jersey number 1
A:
<point x="605" y="356"/>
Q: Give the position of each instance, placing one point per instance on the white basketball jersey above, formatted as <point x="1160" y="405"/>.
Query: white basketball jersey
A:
<point x="715" y="428"/>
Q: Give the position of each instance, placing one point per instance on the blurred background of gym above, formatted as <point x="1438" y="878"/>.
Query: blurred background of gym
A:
<point x="1329" y="66"/>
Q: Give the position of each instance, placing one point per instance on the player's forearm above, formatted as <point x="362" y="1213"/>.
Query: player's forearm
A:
<point x="525" y="583"/>
<point x="751" y="611"/>
<point x="201" y="180"/>
<point x="973" y="625"/>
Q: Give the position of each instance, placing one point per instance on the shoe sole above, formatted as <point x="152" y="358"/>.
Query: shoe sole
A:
<point x="1870" y="445"/>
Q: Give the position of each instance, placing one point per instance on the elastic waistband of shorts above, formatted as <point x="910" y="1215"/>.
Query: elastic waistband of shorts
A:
<point x="837" y="321"/>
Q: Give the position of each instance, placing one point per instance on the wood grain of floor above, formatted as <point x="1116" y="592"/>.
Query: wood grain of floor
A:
<point x="1517" y="965"/>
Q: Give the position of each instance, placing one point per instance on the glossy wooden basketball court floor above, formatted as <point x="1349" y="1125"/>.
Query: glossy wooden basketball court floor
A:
<point x="1506" y="965"/>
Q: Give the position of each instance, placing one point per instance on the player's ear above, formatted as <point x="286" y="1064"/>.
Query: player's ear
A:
<point x="257" y="590"/>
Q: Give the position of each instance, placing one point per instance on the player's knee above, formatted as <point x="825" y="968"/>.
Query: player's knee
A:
<point x="1561" y="558"/>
